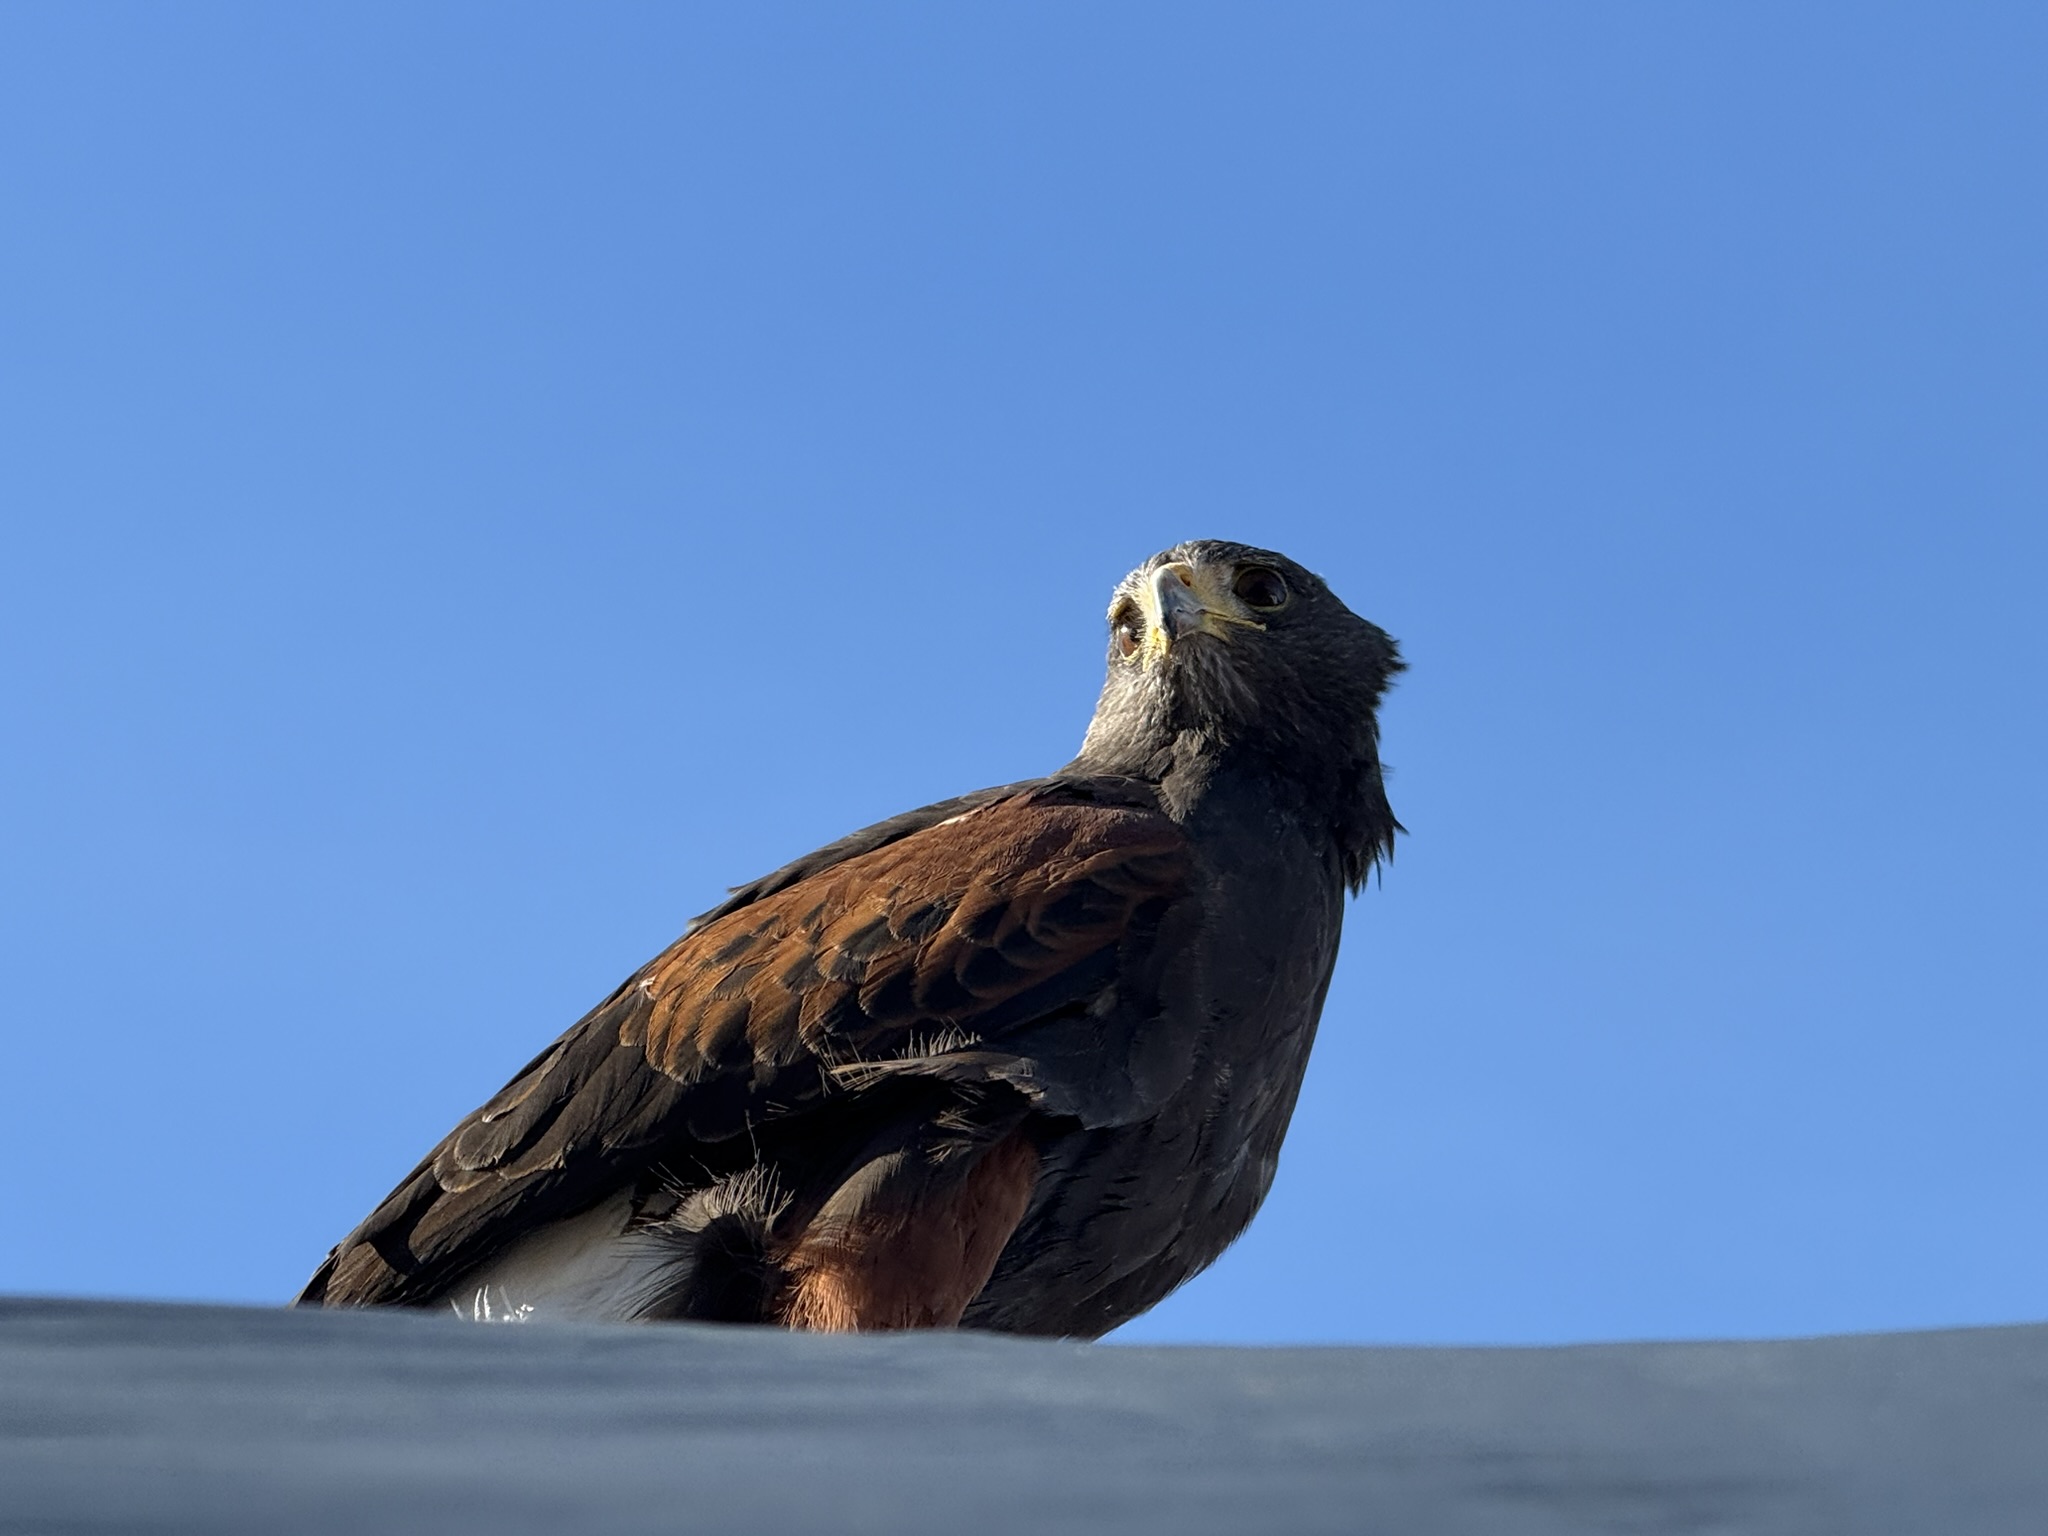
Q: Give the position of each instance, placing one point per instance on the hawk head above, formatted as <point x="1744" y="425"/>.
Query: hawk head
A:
<point x="1223" y="654"/>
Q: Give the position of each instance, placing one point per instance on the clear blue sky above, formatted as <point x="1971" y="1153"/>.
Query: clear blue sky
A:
<point x="480" y="480"/>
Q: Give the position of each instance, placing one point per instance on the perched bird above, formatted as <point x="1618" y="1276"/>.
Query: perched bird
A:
<point x="1017" y="1061"/>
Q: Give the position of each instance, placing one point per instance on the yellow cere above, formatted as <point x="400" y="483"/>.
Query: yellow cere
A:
<point x="1220" y="607"/>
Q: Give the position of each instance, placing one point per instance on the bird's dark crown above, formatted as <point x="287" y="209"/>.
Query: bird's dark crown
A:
<point x="1228" y="658"/>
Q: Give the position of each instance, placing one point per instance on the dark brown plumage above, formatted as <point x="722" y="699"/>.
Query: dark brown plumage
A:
<point x="1021" y="1060"/>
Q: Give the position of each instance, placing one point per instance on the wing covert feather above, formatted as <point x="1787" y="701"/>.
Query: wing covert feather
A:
<point x="936" y="932"/>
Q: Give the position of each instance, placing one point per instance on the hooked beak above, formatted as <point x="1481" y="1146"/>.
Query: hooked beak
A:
<point x="1181" y="599"/>
<point x="1173" y="605"/>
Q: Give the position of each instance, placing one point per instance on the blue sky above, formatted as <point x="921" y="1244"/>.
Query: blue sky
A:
<point x="480" y="480"/>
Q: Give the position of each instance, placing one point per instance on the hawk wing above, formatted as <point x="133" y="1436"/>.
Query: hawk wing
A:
<point x="1015" y="940"/>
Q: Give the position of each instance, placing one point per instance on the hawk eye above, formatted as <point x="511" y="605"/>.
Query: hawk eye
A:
<point x="1126" y="630"/>
<point x="1261" y="587"/>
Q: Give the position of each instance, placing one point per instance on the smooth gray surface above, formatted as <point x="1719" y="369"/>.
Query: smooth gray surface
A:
<point x="125" y="1417"/>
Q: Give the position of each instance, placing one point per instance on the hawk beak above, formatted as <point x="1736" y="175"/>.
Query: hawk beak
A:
<point x="1176" y="608"/>
<point x="1183" y="599"/>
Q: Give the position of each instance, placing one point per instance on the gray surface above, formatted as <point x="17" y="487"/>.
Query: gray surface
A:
<point x="118" y="1417"/>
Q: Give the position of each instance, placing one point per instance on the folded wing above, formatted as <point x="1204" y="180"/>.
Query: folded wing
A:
<point x="1015" y="943"/>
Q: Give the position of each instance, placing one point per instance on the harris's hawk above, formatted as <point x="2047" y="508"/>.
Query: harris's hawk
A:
<point x="1018" y="1061"/>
